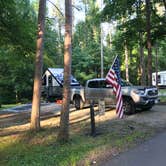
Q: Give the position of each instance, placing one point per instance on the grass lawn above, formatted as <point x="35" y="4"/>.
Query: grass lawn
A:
<point x="41" y="149"/>
<point x="162" y="99"/>
<point x="19" y="146"/>
<point x="6" y="106"/>
<point x="162" y="95"/>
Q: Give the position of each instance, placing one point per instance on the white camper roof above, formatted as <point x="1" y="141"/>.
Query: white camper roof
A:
<point x="160" y="72"/>
<point x="57" y="73"/>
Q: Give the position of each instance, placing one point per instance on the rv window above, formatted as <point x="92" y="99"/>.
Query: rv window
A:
<point x="44" y="80"/>
<point x="50" y="80"/>
<point x="159" y="79"/>
<point x="153" y="76"/>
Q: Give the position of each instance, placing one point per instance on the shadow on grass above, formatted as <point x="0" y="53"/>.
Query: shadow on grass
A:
<point x="17" y="119"/>
<point x="42" y="148"/>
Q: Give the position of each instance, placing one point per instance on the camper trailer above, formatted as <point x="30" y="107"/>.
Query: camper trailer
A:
<point x="52" y="83"/>
<point x="161" y="79"/>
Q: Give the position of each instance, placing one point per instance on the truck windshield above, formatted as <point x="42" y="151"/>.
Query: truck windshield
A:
<point x="98" y="84"/>
<point x="125" y="83"/>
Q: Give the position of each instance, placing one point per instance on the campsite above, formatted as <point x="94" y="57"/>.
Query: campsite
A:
<point x="81" y="82"/>
<point x="114" y="136"/>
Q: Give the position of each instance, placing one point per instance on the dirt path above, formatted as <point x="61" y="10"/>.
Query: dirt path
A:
<point x="19" y="116"/>
<point x="16" y="122"/>
<point x="155" y="117"/>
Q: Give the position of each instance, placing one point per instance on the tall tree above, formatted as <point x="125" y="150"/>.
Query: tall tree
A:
<point x="126" y="61"/>
<point x="149" y="44"/>
<point x="86" y="46"/>
<point x="140" y="28"/>
<point x="64" y="120"/>
<point x="35" y="115"/>
<point x="59" y="18"/>
<point x="142" y="60"/>
<point x="17" y="50"/>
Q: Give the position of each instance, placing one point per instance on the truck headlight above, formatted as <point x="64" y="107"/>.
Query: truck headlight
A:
<point x="139" y="92"/>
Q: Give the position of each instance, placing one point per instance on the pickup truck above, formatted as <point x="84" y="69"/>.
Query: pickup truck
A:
<point x="134" y="97"/>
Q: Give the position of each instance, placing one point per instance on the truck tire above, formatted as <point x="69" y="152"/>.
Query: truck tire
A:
<point x="78" y="103"/>
<point x="146" y="108"/>
<point x="128" y="106"/>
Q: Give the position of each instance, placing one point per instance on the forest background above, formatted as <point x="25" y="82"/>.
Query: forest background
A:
<point x="18" y="25"/>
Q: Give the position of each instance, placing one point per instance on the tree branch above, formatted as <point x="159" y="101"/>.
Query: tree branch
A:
<point x="78" y="8"/>
<point x="56" y="7"/>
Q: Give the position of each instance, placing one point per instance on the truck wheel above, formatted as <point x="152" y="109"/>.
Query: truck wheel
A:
<point x="128" y="106"/>
<point x="78" y="103"/>
<point x="147" y="108"/>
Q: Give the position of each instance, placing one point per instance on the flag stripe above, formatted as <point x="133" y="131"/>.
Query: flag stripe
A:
<point x="113" y="78"/>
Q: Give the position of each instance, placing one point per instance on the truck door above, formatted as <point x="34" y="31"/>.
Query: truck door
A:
<point x="107" y="94"/>
<point x="92" y="90"/>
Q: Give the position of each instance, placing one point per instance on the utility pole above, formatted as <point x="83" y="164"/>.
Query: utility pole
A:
<point x="101" y="35"/>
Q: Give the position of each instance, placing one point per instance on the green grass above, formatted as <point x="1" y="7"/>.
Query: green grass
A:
<point x="6" y="106"/>
<point x="42" y="149"/>
<point x="162" y="95"/>
<point x="162" y="99"/>
<point x="162" y="91"/>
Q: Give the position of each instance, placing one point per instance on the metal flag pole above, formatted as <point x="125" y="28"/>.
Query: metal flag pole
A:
<point x="114" y="61"/>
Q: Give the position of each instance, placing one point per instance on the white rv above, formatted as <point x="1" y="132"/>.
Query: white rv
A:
<point x="52" y="83"/>
<point x="161" y="78"/>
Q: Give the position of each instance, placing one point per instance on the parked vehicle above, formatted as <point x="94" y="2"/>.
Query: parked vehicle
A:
<point x="161" y="79"/>
<point x="98" y="89"/>
<point x="52" y="83"/>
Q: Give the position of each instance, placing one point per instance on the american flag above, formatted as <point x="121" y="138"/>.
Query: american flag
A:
<point x="113" y="78"/>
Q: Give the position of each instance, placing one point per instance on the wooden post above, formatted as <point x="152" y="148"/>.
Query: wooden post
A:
<point x="156" y="48"/>
<point x="92" y="116"/>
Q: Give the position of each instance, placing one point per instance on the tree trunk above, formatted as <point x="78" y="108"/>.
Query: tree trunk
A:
<point x="35" y="114"/>
<point x="60" y="58"/>
<point x="64" y="120"/>
<point x="142" y="75"/>
<point x="156" y="48"/>
<point x="142" y="60"/>
<point x="60" y="25"/>
<point x="126" y="61"/>
<point x="149" y="45"/>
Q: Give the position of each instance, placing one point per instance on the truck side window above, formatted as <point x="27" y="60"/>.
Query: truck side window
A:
<point x="93" y="84"/>
<point x="108" y="85"/>
<point x="103" y="84"/>
<point x="125" y="83"/>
